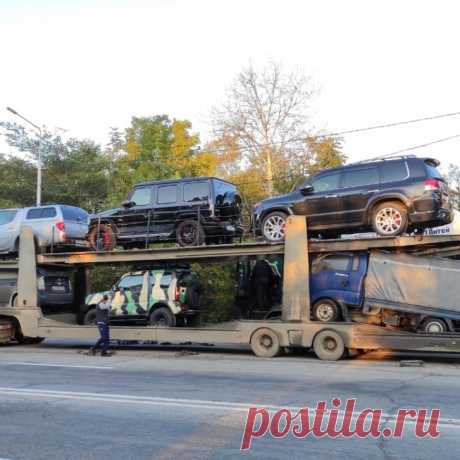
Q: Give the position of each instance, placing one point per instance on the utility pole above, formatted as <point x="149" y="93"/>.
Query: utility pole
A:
<point x="39" y="154"/>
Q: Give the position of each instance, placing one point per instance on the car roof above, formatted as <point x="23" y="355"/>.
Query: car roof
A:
<point x="363" y="164"/>
<point x="181" y="179"/>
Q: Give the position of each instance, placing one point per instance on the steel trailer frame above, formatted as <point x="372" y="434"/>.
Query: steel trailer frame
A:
<point x="266" y="337"/>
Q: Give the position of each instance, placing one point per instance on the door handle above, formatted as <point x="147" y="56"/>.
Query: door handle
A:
<point x="331" y="196"/>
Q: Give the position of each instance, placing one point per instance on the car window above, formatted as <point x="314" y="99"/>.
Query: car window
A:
<point x="167" y="194"/>
<point x="196" y="191"/>
<point x="222" y="188"/>
<point x="7" y="216"/>
<point x="41" y="213"/>
<point x="432" y="170"/>
<point x="359" y="177"/>
<point x="326" y="182"/>
<point x="141" y="196"/>
<point x="393" y="171"/>
<point x="74" y="214"/>
<point x="334" y="262"/>
<point x="166" y="280"/>
<point x="130" y="281"/>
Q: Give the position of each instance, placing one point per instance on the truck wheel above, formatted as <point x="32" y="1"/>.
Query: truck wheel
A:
<point x="265" y="343"/>
<point x="433" y="326"/>
<point x="326" y="311"/>
<point x="389" y="219"/>
<point x="190" y="233"/>
<point x="273" y="227"/>
<point x="162" y="317"/>
<point x="328" y="346"/>
<point x="102" y="238"/>
<point x="90" y="317"/>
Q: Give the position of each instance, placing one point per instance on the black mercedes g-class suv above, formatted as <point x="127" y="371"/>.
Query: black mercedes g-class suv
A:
<point x="190" y="211"/>
<point x="388" y="195"/>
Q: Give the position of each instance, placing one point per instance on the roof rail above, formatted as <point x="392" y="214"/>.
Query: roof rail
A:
<point x="381" y="158"/>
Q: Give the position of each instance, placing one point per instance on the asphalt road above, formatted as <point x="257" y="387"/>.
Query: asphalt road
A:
<point x="151" y="403"/>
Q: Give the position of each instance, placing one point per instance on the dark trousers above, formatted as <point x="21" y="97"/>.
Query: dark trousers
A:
<point x="103" y="342"/>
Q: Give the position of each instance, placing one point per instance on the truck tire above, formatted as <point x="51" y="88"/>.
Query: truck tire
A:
<point x="265" y="343"/>
<point x="326" y="311"/>
<point x="162" y="317"/>
<point x="102" y="238"/>
<point x="328" y="346"/>
<point x="190" y="233"/>
<point x="433" y="326"/>
<point x="389" y="218"/>
<point x="273" y="226"/>
<point x="90" y="317"/>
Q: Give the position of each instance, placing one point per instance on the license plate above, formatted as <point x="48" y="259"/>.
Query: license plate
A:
<point x="58" y="288"/>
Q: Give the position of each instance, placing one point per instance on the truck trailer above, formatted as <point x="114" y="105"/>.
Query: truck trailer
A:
<point x="266" y="338"/>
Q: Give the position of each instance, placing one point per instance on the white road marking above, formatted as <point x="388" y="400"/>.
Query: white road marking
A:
<point x="18" y="363"/>
<point x="176" y="402"/>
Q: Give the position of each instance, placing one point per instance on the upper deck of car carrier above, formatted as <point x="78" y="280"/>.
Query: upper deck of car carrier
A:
<point x="424" y="243"/>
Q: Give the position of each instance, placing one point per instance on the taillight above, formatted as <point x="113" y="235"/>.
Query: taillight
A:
<point x="60" y="226"/>
<point x="432" y="184"/>
<point x="177" y="296"/>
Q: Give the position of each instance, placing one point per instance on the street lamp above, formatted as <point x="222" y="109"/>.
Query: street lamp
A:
<point x="39" y="156"/>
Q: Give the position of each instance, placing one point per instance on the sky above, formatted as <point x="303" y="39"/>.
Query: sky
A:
<point x="86" y="66"/>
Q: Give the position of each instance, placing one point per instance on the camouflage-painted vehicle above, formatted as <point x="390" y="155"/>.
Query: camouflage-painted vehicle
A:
<point x="161" y="297"/>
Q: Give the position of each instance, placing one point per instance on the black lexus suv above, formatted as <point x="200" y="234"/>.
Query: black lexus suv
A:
<point x="389" y="196"/>
<point x="189" y="211"/>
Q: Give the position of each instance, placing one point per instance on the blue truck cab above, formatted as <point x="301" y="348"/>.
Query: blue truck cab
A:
<point x="336" y="283"/>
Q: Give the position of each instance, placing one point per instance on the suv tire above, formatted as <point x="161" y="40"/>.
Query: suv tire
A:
<point x="389" y="219"/>
<point x="190" y="233"/>
<point x="162" y="317"/>
<point x="273" y="227"/>
<point x="102" y="238"/>
<point x="90" y="317"/>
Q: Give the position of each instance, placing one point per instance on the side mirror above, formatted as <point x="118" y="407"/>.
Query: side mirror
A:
<point x="128" y="204"/>
<point x="306" y="189"/>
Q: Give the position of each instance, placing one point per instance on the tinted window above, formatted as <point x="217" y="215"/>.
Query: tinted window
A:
<point x="359" y="177"/>
<point x="131" y="281"/>
<point x="167" y="194"/>
<point x="196" y="191"/>
<point x="393" y="171"/>
<point x="41" y="213"/>
<point x="332" y="262"/>
<point x="432" y="170"/>
<point x="7" y="216"/>
<point x="141" y="196"/>
<point x="326" y="182"/>
<point x="166" y="280"/>
<point x="48" y="212"/>
<point x="221" y="188"/>
<point x="74" y="214"/>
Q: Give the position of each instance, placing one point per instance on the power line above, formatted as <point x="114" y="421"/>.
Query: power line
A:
<point x="415" y="147"/>
<point x="390" y="125"/>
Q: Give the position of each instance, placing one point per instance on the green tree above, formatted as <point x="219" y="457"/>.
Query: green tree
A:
<point x="155" y="148"/>
<point x="74" y="171"/>
<point x="18" y="179"/>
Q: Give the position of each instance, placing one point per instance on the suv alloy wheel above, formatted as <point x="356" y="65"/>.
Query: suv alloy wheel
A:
<point x="273" y="227"/>
<point x="389" y="219"/>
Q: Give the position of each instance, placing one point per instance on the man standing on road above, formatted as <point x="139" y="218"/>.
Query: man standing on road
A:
<point x="102" y="321"/>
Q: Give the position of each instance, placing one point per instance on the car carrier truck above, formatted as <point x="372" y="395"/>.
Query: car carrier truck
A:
<point x="266" y="338"/>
